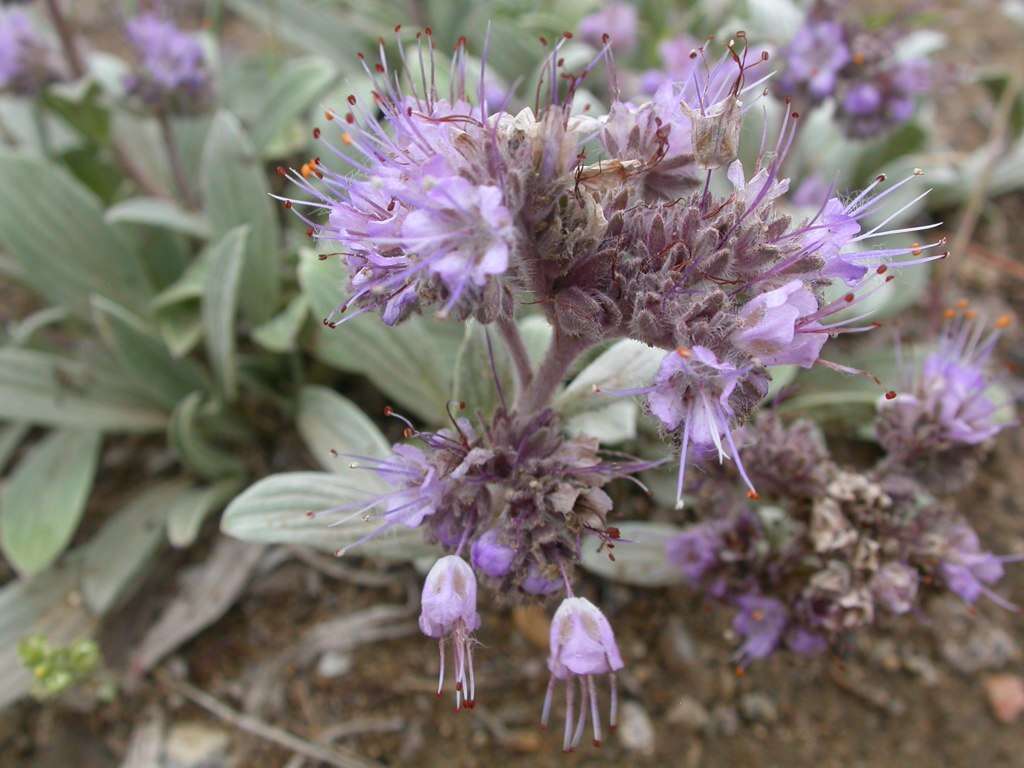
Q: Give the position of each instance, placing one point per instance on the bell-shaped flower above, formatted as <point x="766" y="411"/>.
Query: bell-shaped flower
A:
<point x="582" y="646"/>
<point x="448" y="611"/>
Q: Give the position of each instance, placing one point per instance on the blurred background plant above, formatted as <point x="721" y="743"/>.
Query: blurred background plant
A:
<point x="163" y="344"/>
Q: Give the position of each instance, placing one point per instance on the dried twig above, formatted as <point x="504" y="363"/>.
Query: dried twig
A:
<point x="360" y="725"/>
<point x="335" y="756"/>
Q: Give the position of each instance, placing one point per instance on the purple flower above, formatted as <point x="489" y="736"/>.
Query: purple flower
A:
<point x="894" y="585"/>
<point x="968" y="571"/>
<point x="761" y="621"/>
<point x="775" y="330"/>
<point x="804" y="642"/>
<point x="617" y="20"/>
<point x="814" y="59"/>
<point x="461" y="232"/>
<point x="691" y="394"/>
<point x="950" y="393"/>
<point x="448" y="610"/>
<point x="536" y="583"/>
<point x="582" y="646"/>
<point x="491" y="556"/>
<point x="695" y="550"/>
<point x="862" y="99"/>
<point x="25" y="65"/>
<point x="172" y="73"/>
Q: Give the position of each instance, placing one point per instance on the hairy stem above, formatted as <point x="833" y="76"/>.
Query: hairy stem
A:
<point x="517" y="350"/>
<point x="68" y="42"/>
<point x="559" y="357"/>
<point x="174" y="159"/>
<point x="73" y="58"/>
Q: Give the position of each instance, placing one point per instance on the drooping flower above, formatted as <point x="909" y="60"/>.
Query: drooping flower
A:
<point x="171" y="73"/>
<point x="617" y="20"/>
<point x="582" y="647"/>
<point x="448" y="611"/>
<point x="25" y="64"/>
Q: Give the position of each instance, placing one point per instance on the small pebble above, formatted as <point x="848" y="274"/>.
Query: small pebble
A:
<point x="196" y="745"/>
<point x="636" y="731"/>
<point x="758" y="708"/>
<point x="333" y="664"/>
<point x="1005" y="696"/>
<point x="689" y="712"/>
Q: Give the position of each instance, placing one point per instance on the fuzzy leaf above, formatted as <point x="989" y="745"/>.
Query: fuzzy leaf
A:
<point x="220" y="300"/>
<point x="279" y="333"/>
<point x="45" y="497"/>
<point x="624" y="365"/>
<point x="481" y="355"/>
<point x="157" y="212"/>
<point x="236" y="193"/>
<point x="195" y="450"/>
<point x="11" y="436"/>
<point x="640" y="559"/>
<point x="411" y="362"/>
<point x="41" y="388"/>
<point x="289" y="94"/>
<point x="54" y="228"/>
<point x="188" y="511"/>
<point x="144" y="356"/>
<point x="329" y="422"/>
<point x="615" y="423"/>
<point x="115" y="557"/>
<point x="275" y="510"/>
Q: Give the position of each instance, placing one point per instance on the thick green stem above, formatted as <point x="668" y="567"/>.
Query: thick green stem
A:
<point x="517" y="351"/>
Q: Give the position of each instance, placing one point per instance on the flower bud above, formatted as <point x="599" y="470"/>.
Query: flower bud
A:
<point x="491" y="556"/>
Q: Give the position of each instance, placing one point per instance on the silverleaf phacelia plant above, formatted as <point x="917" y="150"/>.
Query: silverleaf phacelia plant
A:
<point x="611" y="227"/>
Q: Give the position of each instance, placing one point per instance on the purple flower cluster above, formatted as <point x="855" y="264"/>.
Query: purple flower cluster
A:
<point x="25" y="63"/>
<point x="171" y="73"/>
<point x="829" y="57"/>
<point x="947" y="408"/>
<point x="841" y="548"/>
<point x="610" y="226"/>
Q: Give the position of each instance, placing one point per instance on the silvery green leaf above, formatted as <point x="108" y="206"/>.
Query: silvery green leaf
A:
<point x="23" y="331"/>
<point x="308" y="24"/>
<point x="640" y="559"/>
<point x="188" y="287"/>
<point x="157" y="212"/>
<point x="54" y="227"/>
<point x="409" y="362"/>
<point x="143" y="355"/>
<point x="770" y="21"/>
<point x="481" y="356"/>
<point x="181" y="328"/>
<point x="280" y="333"/>
<point x="537" y="334"/>
<point x="276" y="510"/>
<point x="235" y="193"/>
<point x="333" y="426"/>
<point x="40" y="388"/>
<point x="186" y="435"/>
<point x="624" y="365"/>
<point x="190" y="508"/>
<point x="289" y="94"/>
<point x="219" y="303"/>
<point x="614" y="423"/>
<point x="920" y="44"/>
<point x="44" y="499"/>
<point x="11" y="436"/>
<point x="114" y="558"/>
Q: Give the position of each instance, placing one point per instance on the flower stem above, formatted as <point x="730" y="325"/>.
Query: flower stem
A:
<point x="73" y="57"/>
<point x="174" y="159"/>
<point x="560" y="356"/>
<point x="517" y="350"/>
